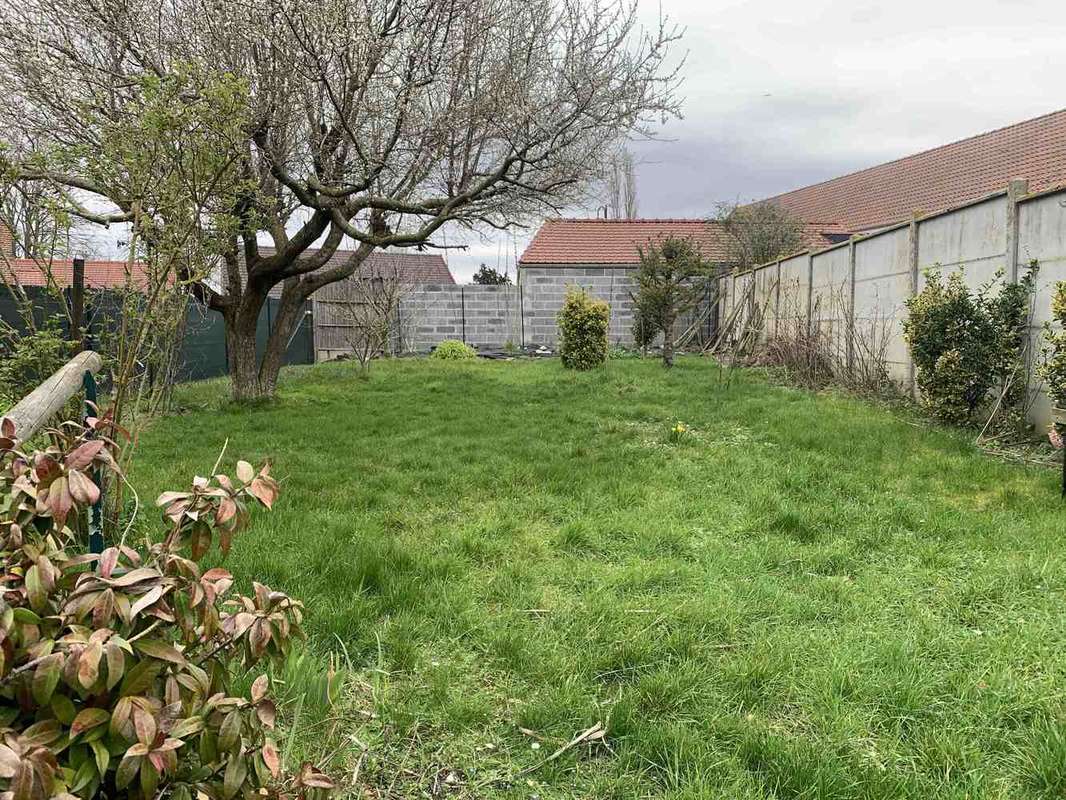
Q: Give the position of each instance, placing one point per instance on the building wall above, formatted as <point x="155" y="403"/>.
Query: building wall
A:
<point x="866" y="282"/>
<point x="543" y="289"/>
<point x="488" y="317"/>
<point x="495" y="317"/>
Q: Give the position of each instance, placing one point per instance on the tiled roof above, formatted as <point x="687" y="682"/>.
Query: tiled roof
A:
<point x="618" y="242"/>
<point x="411" y="267"/>
<point x="98" y="274"/>
<point x="939" y="179"/>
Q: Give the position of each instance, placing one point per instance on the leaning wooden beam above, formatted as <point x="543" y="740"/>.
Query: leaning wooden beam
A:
<point x="35" y="410"/>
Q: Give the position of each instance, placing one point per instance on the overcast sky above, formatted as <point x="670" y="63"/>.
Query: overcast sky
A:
<point x="780" y="94"/>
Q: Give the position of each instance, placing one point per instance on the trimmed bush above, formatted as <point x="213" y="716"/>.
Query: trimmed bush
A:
<point x="453" y="350"/>
<point x="966" y="343"/>
<point x="1053" y="370"/>
<point x="583" y="324"/>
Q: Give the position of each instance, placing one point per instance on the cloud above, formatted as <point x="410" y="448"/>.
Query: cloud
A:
<point x="783" y="94"/>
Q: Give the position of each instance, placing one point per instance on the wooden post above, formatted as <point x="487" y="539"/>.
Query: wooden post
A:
<point x="34" y="410"/>
<point x="77" y="304"/>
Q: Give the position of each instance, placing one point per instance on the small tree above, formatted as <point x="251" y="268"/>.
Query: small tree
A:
<point x="372" y="307"/>
<point x="671" y="280"/>
<point x="487" y="276"/>
<point x="758" y="233"/>
<point x="583" y="324"/>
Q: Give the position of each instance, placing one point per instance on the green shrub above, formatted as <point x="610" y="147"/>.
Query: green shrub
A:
<point x="453" y="350"/>
<point x="27" y="359"/>
<point x="965" y="344"/>
<point x="583" y="322"/>
<point x="119" y="671"/>
<point x="1053" y="370"/>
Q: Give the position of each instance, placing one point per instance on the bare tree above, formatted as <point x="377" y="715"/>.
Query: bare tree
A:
<point x="622" y="185"/>
<point x="370" y="304"/>
<point x="758" y="233"/>
<point x="377" y="120"/>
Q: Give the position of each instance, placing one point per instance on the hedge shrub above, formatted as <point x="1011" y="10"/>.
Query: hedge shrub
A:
<point x="453" y="350"/>
<point x="1053" y="370"/>
<point x="583" y="322"/>
<point x="966" y="343"/>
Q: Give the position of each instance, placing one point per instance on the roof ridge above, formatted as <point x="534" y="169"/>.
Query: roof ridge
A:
<point x="909" y="156"/>
<point x="637" y="220"/>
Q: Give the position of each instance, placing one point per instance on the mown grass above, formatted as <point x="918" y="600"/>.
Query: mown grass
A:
<point x="807" y="597"/>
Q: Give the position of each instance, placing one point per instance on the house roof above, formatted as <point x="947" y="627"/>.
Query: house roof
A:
<point x="410" y="267"/>
<point x="619" y="241"/>
<point x="98" y="274"/>
<point x="938" y="179"/>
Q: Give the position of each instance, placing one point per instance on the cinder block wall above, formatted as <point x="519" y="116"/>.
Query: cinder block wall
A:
<point x="482" y="316"/>
<point x="544" y="289"/>
<point x="494" y="317"/>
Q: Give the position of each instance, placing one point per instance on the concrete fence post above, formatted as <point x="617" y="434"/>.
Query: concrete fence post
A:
<point x="850" y="322"/>
<point x="810" y="293"/>
<point x="777" y="301"/>
<point x="1016" y="190"/>
<point x="912" y="259"/>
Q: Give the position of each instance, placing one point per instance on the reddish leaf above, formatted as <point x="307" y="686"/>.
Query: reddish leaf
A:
<point x="259" y="688"/>
<point x="270" y="758"/>
<point x="167" y="498"/>
<point x="156" y="648"/>
<point x="145" y="726"/>
<point x="88" y="719"/>
<point x="82" y="489"/>
<point x="84" y="455"/>
<point x="267" y="713"/>
<point x="89" y="665"/>
<point x="147" y="599"/>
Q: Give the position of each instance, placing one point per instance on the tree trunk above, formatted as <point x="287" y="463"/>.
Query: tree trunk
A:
<point x="668" y="338"/>
<point x="290" y="312"/>
<point x="240" y="350"/>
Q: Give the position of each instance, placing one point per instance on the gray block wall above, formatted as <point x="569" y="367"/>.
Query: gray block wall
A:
<point x="544" y="289"/>
<point x="481" y="316"/>
<point x="495" y="317"/>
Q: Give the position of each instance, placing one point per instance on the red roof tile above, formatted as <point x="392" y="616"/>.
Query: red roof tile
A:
<point x="939" y="179"/>
<point x="618" y="242"/>
<point x="412" y="267"/>
<point x="98" y="274"/>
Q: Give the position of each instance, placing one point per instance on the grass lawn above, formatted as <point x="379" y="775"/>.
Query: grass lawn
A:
<point x="807" y="596"/>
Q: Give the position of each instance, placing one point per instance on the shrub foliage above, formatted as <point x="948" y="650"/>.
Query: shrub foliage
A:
<point x="453" y="350"/>
<point x="965" y="344"/>
<point x="1053" y="370"/>
<point x="583" y="322"/>
<point x="671" y="280"/>
<point x="117" y="670"/>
